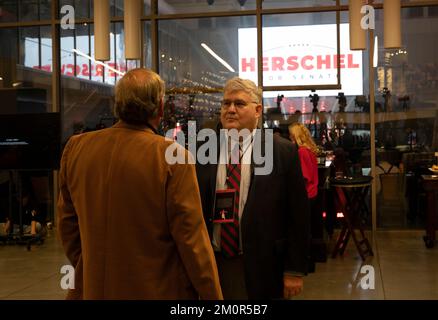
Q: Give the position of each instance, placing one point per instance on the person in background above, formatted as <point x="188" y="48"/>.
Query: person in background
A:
<point x="307" y="151"/>
<point x="277" y="131"/>
<point x="130" y="223"/>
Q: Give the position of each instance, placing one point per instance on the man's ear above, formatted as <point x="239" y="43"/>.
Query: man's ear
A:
<point x="161" y="108"/>
<point x="259" y="109"/>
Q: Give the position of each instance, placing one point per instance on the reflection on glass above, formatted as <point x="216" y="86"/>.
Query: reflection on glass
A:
<point x="147" y="44"/>
<point x="82" y="8"/>
<point x="82" y="64"/>
<point x="183" y="59"/>
<point x="406" y="84"/>
<point x="116" y="7"/>
<point x="146" y="7"/>
<point x="25" y="81"/>
<point x="179" y="109"/>
<point x="25" y="10"/>
<point x="87" y="86"/>
<point x="9" y="11"/>
<point x="185" y="64"/>
<point x="277" y="4"/>
<point x="67" y="56"/>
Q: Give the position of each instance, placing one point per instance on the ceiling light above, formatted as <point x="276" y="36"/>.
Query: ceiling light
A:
<point x="98" y="62"/>
<point x="222" y="61"/>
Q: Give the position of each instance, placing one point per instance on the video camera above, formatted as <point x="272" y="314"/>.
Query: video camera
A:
<point x="279" y="99"/>
<point x="342" y="101"/>
<point x="314" y="98"/>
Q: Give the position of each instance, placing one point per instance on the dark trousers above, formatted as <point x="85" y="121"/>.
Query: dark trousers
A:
<point x="318" y="247"/>
<point x="232" y="277"/>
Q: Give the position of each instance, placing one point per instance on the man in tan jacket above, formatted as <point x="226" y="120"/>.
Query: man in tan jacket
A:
<point x="130" y="223"/>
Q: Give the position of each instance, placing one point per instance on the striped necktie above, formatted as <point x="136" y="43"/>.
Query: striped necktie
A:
<point x="230" y="231"/>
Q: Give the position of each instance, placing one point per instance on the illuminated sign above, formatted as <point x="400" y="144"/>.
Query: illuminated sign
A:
<point x="302" y="55"/>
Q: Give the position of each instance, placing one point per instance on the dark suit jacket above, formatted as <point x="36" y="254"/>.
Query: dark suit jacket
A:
<point x="275" y="220"/>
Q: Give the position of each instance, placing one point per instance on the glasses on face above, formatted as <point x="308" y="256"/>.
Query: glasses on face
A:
<point x="238" y="104"/>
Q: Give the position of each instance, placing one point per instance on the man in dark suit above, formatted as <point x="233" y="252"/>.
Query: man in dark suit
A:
<point x="263" y="253"/>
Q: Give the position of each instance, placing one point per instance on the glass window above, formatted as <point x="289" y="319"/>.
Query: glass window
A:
<point x="147" y="7"/>
<point x="26" y="100"/>
<point x="119" y="62"/>
<point x="337" y="119"/>
<point x="45" y="9"/>
<point x="117" y="8"/>
<point x="82" y="40"/>
<point x="8" y="11"/>
<point x="402" y="1"/>
<point x="417" y="12"/>
<point x="179" y="109"/>
<point x="406" y="86"/>
<point x="67" y="54"/>
<point x="25" y="70"/>
<point x="277" y="4"/>
<point x="87" y="88"/>
<point x="433" y="11"/>
<point x="200" y="55"/>
<point x="193" y="6"/>
<point x="25" y="10"/>
<point x="82" y="8"/>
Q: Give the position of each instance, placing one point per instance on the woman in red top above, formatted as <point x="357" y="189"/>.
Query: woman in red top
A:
<point x="307" y="151"/>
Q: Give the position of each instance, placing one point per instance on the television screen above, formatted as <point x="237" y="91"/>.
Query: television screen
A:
<point x="30" y="141"/>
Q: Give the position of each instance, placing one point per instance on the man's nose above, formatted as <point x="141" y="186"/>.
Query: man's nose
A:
<point x="232" y="108"/>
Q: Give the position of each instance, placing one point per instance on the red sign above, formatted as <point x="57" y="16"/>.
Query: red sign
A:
<point x="307" y="62"/>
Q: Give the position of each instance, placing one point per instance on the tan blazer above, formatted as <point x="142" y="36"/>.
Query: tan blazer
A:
<point x="130" y="223"/>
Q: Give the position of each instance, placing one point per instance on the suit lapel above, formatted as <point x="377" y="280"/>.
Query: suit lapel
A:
<point x="254" y="178"/>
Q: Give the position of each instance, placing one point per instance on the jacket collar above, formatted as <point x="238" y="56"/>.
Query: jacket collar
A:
<point x="124" y="125"/>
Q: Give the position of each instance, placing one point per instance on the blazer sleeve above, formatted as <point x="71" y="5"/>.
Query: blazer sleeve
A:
<point x="298" y="222"/>
<point x="67" y="219"/>
<point x="189" y="231"/>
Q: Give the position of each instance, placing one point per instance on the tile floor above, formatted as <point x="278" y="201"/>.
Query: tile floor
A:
<point x="403" y="269"/>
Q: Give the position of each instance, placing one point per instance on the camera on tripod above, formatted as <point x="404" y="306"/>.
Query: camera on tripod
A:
<point x="279" y="99"/>
<point x="342" y="101"/>
<point x="314" y="98"/>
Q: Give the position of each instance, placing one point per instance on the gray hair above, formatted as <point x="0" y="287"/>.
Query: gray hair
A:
<point x="138" y="96"/>
<point x="239" y="84"/>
